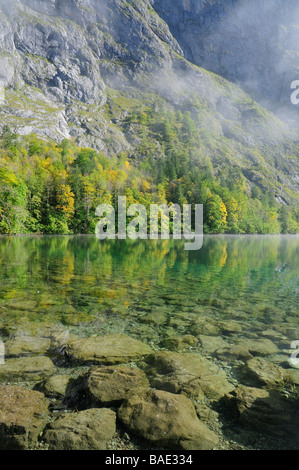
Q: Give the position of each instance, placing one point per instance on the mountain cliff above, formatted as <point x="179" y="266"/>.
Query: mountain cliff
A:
<point x="252" y="43"/>
<point x="82" y="69"/>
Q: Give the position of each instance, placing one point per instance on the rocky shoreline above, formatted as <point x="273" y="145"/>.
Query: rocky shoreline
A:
<point x="203" y="391"/>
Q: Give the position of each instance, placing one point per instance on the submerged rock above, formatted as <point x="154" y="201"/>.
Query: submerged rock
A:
<point x="212" y="343"/>
<point x="294" y="376"/>
<point x="230" y="326"/>
<point x="86" y="430"/>
<point x="206" y="414"/>
<point x="23" y="415"/>
<point x="188" y="373"/>
<point x="235" y="352"/>
<point x="166" y="419"/>
<point x="261" y="372"/>
<point x="259" y="347"/>
<point x="156" y="318"/>
<point x="55" y="386"/>
<point x="32" y="339"/>
<point x="180" y="343"/>
<point x="265" y="411"/>
<point x="26" y="369"/>
<point x="27" y="346"/>
<point x="109" y="384"/>
<point x="292" y="333"/>
<point x="110" y="349"/>
<point x="203" y="326"/>
<point x="280" y="359"/>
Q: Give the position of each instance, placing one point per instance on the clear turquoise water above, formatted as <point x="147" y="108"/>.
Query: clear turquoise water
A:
<point x="155" y="291"/>
<point x="139" y="287"/>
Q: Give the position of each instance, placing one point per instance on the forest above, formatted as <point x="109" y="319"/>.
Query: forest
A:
<point x="48" y="187"/>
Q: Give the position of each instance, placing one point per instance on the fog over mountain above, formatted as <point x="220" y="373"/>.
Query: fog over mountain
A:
<point x="254" y="43"/>
<point x="64" y="63"/>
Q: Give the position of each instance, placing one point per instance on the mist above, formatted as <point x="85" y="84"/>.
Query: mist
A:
<point x="72" y="50"/>
<point x="254" y="44"/>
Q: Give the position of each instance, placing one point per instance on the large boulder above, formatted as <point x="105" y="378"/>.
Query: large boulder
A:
<point x="187" y="373"/>
<point x="168" y="420"/>
<point x="108" y="384"/>
<point x="105" y="385"/>
<point x="260" y="372"/>
<point x="109" y="349"/>
<point x="265" y="411"/>
<point x="86" y="430"/>
<point x="23" y="416"/>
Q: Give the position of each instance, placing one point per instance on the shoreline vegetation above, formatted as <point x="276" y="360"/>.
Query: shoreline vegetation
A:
<point x="55" y="188"/>
<point x="216" y="235"/>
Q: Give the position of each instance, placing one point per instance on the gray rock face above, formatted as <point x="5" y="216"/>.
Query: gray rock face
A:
<point x="75" y="38"/>
<point x="72" y="50"/>
<point x="80" y="43"/>
<point x="67" y="64"/>
<point x="59" y="54"/>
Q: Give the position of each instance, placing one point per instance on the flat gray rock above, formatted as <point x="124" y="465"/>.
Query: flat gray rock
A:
<point x="26" y="369"/>
<point x="110" y="349"/>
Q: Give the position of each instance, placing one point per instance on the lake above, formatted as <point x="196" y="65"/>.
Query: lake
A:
<point x="72" y="279"/>
<point x="235" y="290"/>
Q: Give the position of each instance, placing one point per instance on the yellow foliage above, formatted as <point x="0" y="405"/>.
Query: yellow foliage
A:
<point x="8" y="177"/>
<point x="44" y="163"/>
<point x="66" y="200"/>
<point x="223" y="212"/>
<point x="145" y="185"/>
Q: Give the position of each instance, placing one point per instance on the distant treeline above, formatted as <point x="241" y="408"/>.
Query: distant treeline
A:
<point x="48" y="187"/>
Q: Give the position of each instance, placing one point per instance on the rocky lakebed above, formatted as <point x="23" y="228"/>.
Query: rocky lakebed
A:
<point x="214" y="388"/>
